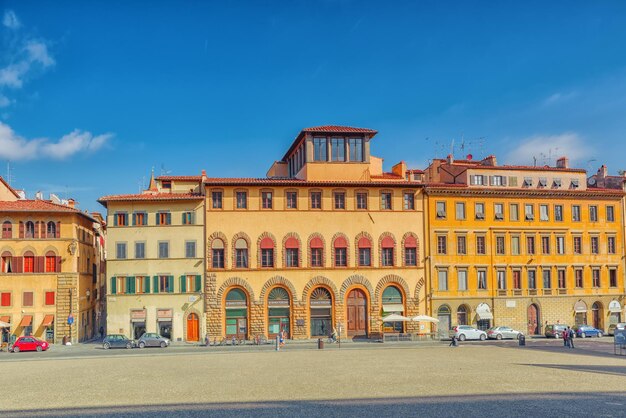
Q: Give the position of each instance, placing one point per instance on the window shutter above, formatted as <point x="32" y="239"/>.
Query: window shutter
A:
<point x="21" y="229"/>
<point x="128" y="285"/>
<point x="57" y="264"/>
<point x="198" y="283"/>
<point x="113" y="286"/>
<point x="503" y="180"/>
<point x="17" y="264"/>
<point x="155" y="284"/>
<point x="193" y="218"/>
<point x="170" y="284"/>
<point x="58" y="231"/>
<point x="134" y="219"/>
<point x="36" y="229"/>
<point x="169" y="219"/>
<point x="40" y="264"/>
<point x="146" y="285"/>
<point x="115" y="219"/>
<point x="183" y="218"/>
<point x="183" y="284"/>
<point x="132" y="283"/>
<point x="158" y="219"/>
<point x="485" y="180"/>
<point x="44" y="229"/>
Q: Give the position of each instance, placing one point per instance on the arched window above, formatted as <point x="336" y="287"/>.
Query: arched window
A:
<point x="6" y="262"/>
<point x="7" y="230"/>
<point x="267" y="252"/>
<point x="217" y="253"/>
<point x="30" y="229"/>
<point x="292" y="248"/>
<point x="461" y="315"/>
<point x="410" y="251"/>
<point x="340" y="246"/>
<point x="317" y="252"/>
<point x="29" y="262"/>
<point x="443" y="314"/>
<point x="51" y="230"/>
<point x="393" y="304"/>
<point x="241" y="253"/>
<point x="391" y="296"/>
<point x="278" y="302"/>
<point x="387" y="245"/>
<point x="365" y="251"/>
<point x="236" y="313"/>
<point x="321" y="312"/>
<point x="51" y="262"/>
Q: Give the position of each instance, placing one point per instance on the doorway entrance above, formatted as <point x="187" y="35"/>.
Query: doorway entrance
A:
<point x="533" y="319"/>
<point x="193" y="327"/>
<point x="357" y="313"/>
<point x="596" y="315"/>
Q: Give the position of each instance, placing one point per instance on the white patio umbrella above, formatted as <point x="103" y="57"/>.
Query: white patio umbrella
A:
<point x="395" y="318"/>
<point x="424" y="318"/>
<point x="4" y="324"/>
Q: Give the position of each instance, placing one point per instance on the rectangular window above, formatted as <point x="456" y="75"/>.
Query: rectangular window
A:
<point x="515" y="247"/>
<point x="529" y="212"/>
<point x="241" y="258"/>
<point x="477" y="180"/>
<point x="610" y="245"/>
<point x="27" y="299"/>
<point x="610" y="214"/>
<point x="479" y="211"/>
<point x="142" y="284"/>
<point x="560" y="245"/>
<point x="355" y="145"/>
<point x="576" y="213"/>
<point x="543" y="182"/>
<point x="595" y="275"/>
<point x="340" y="200"/>
<point x="498" y="211"/>
<point x="166" y="284"/>
<point x="120" y="250"/>
<point x="49" y="298"/>
<point x="163" y="218"/>
<point x="166" y="184"/>
<point x="532" y="279"/>
<point x="500" y="245"/>
<point x="558" y="213"/>
<point x="514" y="211"/>
<point x="266" y="200"/>
<point x="292" y="200"/>
<point x="497" y="181"/>
<point x="480" y="245"/>
<point x="461" y="245"/>
<point x="217" y="258"/>
<point x="216" y="200"/>
<point x="442" y="244"/>
<point x="164" y="249"/>
<point x="361" y="200"/>
<point x="460" y="211"/>
<point x="291" y="257"/>
<point x="242" y="200"/>
<point x="517" y="279"/>
<point x="528" y="182"/>
<point x="140" y="250"/>
<point x="442" y="279"/>
<point x="190" y="249"/>
<point x="385" y="201"/>
<point x="530" y="245"/>
<point x="387" y="257"/>
<point x="595" y="246"/>
<point x="593" y="213"/>
<point x="578" y="276"/>
<point x="410" y="257"/>
<point x="481" y="276"/>
<point x="612" y="278"/>
<point x="561" y="278"/>
<point x="365" y="257"/>
<point x="316" y="200"/>
<point x="120" y="287"/>
<point x="341" y="257"/>
<point x="320" y="149"/>
<point x="501" y="277"/>
<point x="120" y="219"/>
<point x="140" y="218"/>
<point x="547" y="278"/>
<point x="267" y="257"/>
<point x="187" y="218"/>
<point x="543" y="213"/>
<point x="316" y="257"/>
<point x="462" y="280"/>
<point x="545" y="245"/>
<point x="338" y="149"/>
<point x="409" y="201"/>
<point x="578" y="246"/>
<point x="441" y="210"/>
<point x="5" y="299"/>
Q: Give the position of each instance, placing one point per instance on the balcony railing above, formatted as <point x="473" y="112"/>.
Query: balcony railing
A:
<point x="532" y="292"/>
<point x="517" y="292"/>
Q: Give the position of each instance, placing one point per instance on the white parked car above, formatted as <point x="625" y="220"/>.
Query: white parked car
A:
<point x="499" y="333"/>
<point x="465" y="332"/>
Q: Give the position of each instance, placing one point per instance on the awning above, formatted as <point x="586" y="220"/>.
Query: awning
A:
<point x="47" y="320"/>
<point x="5" y="318"/>
<point x="424" y="318"/>
<point x="483" y="311"/>
<point x="395" y="307"/>
<point x="580" y="306"/>
<point x="26" y="321"/>
<point x="614" y="306"/>
<point x="395" y="318"/>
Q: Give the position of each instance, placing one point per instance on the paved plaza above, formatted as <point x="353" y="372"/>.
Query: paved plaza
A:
<point x="497" y="379"/>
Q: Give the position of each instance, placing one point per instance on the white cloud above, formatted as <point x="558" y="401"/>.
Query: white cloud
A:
<point x="547" y="148"/>
<point x="559" y="97"/>
<point x="4" y="101"/>
<point x="10" y="20"/>
<point x="15" y="147"/>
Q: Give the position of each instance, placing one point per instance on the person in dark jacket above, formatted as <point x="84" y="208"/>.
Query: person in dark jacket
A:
<point x="571" y="335"/>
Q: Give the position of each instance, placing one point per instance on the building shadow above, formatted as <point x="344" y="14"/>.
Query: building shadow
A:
<point x="610" y="370"/>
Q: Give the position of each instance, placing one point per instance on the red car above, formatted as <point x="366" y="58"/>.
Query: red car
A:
<point x="29" y="344"/>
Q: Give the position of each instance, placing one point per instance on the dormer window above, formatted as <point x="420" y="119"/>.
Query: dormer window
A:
<point x="355" y="146"/>
<point x="166" y="184"/>
<point x="338" y="149"/>
<point x="528" y="182"/>
<point x="543" y="182"/>
<point x="574" y="184"/>
<point x="556" y="183"/>
<point x="320" y="149"/>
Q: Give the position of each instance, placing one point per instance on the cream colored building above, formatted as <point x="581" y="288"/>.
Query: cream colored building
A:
<point x="155" y="260"/>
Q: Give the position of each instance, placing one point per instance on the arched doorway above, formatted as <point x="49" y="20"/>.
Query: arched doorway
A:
<point x="278" y="312"/>
<point x="321" y="312"/>
<point x="596" y="315"/>
<point x="533" y="319"/>
<point x="462" y="315"/>
<point x="193" y="327"/>
<point x="393" y="303"/>
<point x="444" y="317"/>
<point x="356" y="304"/>
<point x="236" y="314"/>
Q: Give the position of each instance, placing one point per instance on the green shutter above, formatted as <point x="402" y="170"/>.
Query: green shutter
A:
<point x="113" y="286"/>
<point x="158" y="218"/>
<point x="193" y="218"/>
<point x="155" y="284"/>
<point x="145" y="218"/>
<point x="131" y="287"/>
<point x="114" y="219"/>
<point x="146" y="285"/>
<point x="198" y="283"/>
<point x="170" y="284"/>
<point x="183" y="221"/>
<point x="183" y="284"/>
<point x="134" y="219"/>
<point x="169" y="218"/>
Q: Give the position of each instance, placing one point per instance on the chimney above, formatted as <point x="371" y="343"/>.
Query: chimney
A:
<point x="490" y="161"/>
<point x="450" y="159"/>
<point x="38" y="196"/>
<point x="399" y="169"/>
<point x="71" y="203"/>
<point x="562" y="162"/>
<point x="602" y="172"/>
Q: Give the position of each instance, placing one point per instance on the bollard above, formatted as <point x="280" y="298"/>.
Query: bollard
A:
<point x="522" y="340"/>
<point x="320" y="344"/>
<point x="277" y="343"/>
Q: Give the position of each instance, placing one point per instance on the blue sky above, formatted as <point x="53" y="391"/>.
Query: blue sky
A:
<point x="94" y="94"/>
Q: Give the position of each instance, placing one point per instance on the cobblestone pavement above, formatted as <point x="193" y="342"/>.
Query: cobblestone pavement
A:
<point x="493" y="379"/>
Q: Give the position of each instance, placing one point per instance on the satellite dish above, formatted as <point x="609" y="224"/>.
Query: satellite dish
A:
<point x="469" y="157"/>
<point x="591" y="181"/>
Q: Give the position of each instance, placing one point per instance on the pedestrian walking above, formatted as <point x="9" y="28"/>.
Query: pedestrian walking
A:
<point x="571" y="335"/>
<point x="282" y="337"/>
<point x="101" y="330"/>
<point x="565" y="336"/>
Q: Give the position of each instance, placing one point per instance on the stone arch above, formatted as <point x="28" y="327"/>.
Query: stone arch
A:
<point x="418" y="289"/>
<point x="216" y="235"/>
<point x="236" y="237"/>
<point x="355" y="279"/>
<point x="235" y="282"/>
<point x="283" y="251"/>
<point x="319" y="281"/>
<point x="417" y="246"/>
<point x="189" y="311"/>
<point x="278" y="281"/>
<point x="391" y="279"/>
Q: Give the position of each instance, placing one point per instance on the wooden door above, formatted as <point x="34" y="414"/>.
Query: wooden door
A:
<point x="357" y="313"/>
<point x="192" y="327"/>
<point x="533" y="320"/>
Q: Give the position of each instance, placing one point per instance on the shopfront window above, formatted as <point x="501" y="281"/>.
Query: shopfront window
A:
<point x="236" y="313"/>
<point x="321" y="313"/>
<point x="278" y="312"/>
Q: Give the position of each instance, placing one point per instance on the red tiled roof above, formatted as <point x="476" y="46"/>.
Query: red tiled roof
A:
<point x="150" y="196"/>
<point x="305" y="183"/>
<point x="38" y="206"/>
<point x="390" y="176"/>
<point x="430" y="186"/>
<point x="180" y="178"/>
<point x="479" y="165"/>
<point x="340" y="129"/>
<point x="11" y="189"/>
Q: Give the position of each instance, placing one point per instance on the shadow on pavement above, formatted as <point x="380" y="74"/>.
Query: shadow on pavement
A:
<point x="561" y="404"/>
<point x="613" y="370"/>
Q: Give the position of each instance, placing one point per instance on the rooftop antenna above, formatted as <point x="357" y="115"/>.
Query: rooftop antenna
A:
<point x="164" y="171"/>
<point x="9" y="175"/>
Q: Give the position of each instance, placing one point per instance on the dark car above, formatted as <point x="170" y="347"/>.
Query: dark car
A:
<point x="28" y="344"/>
<point x="554" y="331"/>
<point x="117" y="341"/>
<point x="152" y="339"/>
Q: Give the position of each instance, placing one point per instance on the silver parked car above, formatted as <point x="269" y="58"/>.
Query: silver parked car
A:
<point x="620" y="326"/>
<point x="500" y="333"/>
<point x="465" y="332"/>
<point x="151" y="339"/>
